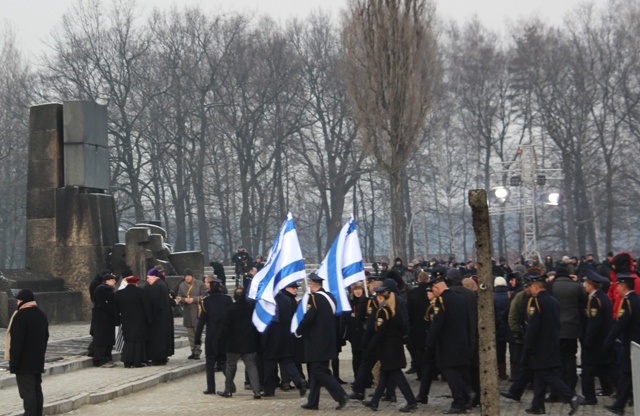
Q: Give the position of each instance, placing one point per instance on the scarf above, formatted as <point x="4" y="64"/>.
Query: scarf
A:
<point x="7" y="339"/>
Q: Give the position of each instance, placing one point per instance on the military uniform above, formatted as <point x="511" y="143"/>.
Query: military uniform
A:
<point x="319" y="333"/>
<point x="627" y="327"/>
<point x="449" y="335"/>
<point x="596" y="359"/>
<point x="429" y="358"/>
<point x="542" y="350"/>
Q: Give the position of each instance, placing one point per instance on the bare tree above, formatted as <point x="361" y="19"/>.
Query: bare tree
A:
<point x="393" y="72"/>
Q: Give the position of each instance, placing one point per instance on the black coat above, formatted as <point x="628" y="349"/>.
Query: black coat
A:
<point x="471" y="298"/>
<point x="277" y="340"/>
<point x="572" y="300"/>
<point x="355" y="324"/>
<point x="29" y="336"/>
<point x="542" y="341"/>
<point x="103" y="324"/>
<point x="501" y="303"/>
<point x="133" y="311"/>
<point x="387" y="345"/>
<point x="160" y="344"/>
<point x="449" y="330"/>
<point x="599" y="322"/>
<point x="317" y="328"/>
<point x="239" y="333"/>
<point x="214" y="307"/>
<point x="417" y="304"/>
<point x="627" y="327"/>
<point x="366" y="314"/>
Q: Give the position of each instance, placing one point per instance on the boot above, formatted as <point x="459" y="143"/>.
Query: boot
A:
<point x="502" y="371"/>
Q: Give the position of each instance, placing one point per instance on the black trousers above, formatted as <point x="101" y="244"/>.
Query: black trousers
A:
<point x="523" y="377"/>
<point x="30" y="389"/>
<point x="568" y="366"/>
<point x="428" y="370"/>
<point x="210" y="367"/>
<point x="625" y="389"/>
<point x="288" y="371"/>
<point x="549" y="377"/>
<point x="459" y="384"/>
<point x="320" y="376"/>
<point x="589" y="373"/>
<point x="397" y="378"/>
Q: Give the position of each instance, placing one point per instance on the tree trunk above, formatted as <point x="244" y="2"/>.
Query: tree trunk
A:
<point x="398" y="220"/>
<point x="489" y="398"/>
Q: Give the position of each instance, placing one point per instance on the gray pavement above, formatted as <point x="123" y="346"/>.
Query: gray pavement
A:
<point x="71" y="386"/>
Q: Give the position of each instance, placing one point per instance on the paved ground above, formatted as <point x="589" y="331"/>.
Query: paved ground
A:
<point x="177" y="388"/>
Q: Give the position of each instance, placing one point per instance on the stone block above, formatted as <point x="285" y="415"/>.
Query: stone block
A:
<point x="193" y="260"/>
<point x="86" y="165"/>
<point x="45" y="117"/>
<point x="41" y="232"/>
<point x="155" y="229"/>
<point x="156" y="243"/>
<point x="43" y="174"/>
<point x="41" y="203"/>
<point x="118" y="259"/>
<point x="85" y="122"/>
<point x="88" y="220"/>
<point x="4" y="310"/>
<point x="60" y="306"/>
<point x="40" y="259"/>
<point x="137" y="235"/>
<point x="45" y="145"/>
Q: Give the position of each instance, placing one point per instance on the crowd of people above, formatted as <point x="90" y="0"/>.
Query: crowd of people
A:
<point x="546" y="313"/>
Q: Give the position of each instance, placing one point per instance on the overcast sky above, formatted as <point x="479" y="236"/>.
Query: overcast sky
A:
<point x="33" y="20"/>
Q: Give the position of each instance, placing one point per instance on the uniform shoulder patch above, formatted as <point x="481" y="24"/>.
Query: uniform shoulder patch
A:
<point x="379" y="322"/>
<point x="593" y="312"/>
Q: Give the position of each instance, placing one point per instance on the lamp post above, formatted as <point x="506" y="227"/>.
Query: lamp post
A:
<point x="524" y="175"/>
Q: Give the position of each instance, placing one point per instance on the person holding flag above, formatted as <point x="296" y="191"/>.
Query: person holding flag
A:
<point x="318" y="331"/>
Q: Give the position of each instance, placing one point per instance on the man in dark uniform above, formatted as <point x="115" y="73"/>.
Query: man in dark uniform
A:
<point x="542" y="348"/>
<point x="26" y="345"/>
<point x="213" y="309"/>
<point x="319" y="333"/>
<point x="417" y="304"/>
<point x="242" y="261"/>
<point x="449" y="336"/>
<point x="627" y="327"/>
<point x="277" y="343"/>
<point x="595" y="358"/>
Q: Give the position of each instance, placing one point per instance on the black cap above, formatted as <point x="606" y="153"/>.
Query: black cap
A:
<point x="438" y="273"/>
<point x="315" y="278"/>
<point x="596" y="277"/>
<point x="188" y="272"/>
<point x="373" y="277"/>
<point x="530" y="278"/>
<point x="625" y="277"/>
<point x="381" y="289"/>
<point x="25" y="295"/>
<point x="108" y="277"/>
<point x="293" y="284"/>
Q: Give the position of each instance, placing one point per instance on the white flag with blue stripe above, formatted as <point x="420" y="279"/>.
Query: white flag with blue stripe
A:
<point x="284" y="266"/>
<point x="343" y="265"/>
<point x="300" y="311"/>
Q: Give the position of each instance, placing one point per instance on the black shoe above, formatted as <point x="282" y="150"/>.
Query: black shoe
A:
<point x="454" y="411"/>
<point x="191" y="357"/>
<point x="342" y="403"/>
<point x="423" y="400"/>
<point x="575" y="403"/>
<point x="589" y="402"/>
<point x="225" y="393"/>
<point x="533" y="411"/>
<point x="286" y="387"/>
<point x="391" y="399"/>
<point x="307" y="406"/>
<point x="614" y="410"/>
<point x="356" y="396"/>
<point x="257" y="396"/>
<point x="341" y="381"/>
<point x="371" y="405"/>
<point x="303" y="388"/>
<point x="410" y="371"/>
<point x="409" y="407"/>
<point x="509" y="395"/>
<point x="208" y="392"/>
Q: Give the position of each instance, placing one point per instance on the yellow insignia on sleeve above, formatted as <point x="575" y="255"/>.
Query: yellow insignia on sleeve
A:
<point x="308" y="306"/>
<point x="379" y="321"/>
<point x="532" y="310"/>
<point x="370" y="310"/>
<point x="436" y="310"/>
<point x="620" y="313"/>
<point x="594" y="312"/>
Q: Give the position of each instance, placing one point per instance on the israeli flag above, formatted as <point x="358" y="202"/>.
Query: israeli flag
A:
<point x="284" y="265"/>
<point x="300" y="311"/>
<point x="343" y="265"/>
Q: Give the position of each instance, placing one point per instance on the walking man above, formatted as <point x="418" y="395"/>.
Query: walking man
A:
<point x="190" y="292"/>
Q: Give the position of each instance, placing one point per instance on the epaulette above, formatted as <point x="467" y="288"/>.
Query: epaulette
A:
<point x="531" y="308"/>
<point x="312" y="298"/>
<point x="621" y="311"/>
<point x="593" y="312"/>
<point x="380" y="321"/>
<point x="427" y="315"/>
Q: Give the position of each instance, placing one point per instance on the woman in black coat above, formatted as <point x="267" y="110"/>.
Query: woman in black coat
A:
<point x="355" y="328"/>
<point x="387" y="344"/>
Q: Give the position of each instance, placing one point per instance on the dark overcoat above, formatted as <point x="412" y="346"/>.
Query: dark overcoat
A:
<point x="103" y="325"/>
<point x="542" y="341"/>
<point x="277" y="340"/>
<point x="29" y="336"/>
<point x="417" y="304"/>
<point x="627" y="327"/>
<point x="387" y="341"/>
<point x="239" y="333"/>
<point x="214" y="307"/>
<point x="318" y="328"/>
<point x="133" y="311"/>
<point x="598" y="324"/>
<point x="160" y="344"/>
<point x="449" y="330"/>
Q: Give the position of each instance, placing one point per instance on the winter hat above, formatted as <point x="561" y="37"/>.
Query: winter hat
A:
<point x="566" y="259"/>
<point x="622" y="263"/>
<point x="562" y="271"/>
<point x="188" y="272"/>
<point x="25" y="295"/>
<point x="499" y="281"/>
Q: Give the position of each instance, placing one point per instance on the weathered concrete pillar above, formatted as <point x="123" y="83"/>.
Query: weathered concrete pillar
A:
<point x="4" y="310"/>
